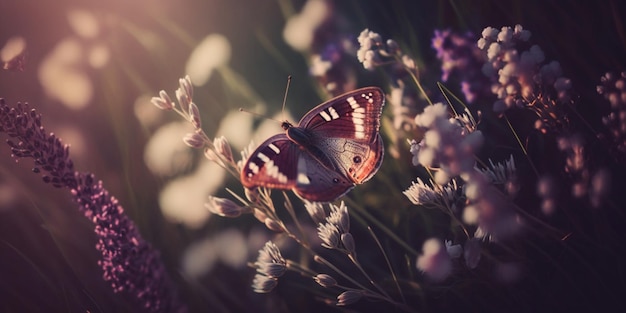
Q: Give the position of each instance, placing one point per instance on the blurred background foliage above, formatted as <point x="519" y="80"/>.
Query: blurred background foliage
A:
<point x="90" y="68"/>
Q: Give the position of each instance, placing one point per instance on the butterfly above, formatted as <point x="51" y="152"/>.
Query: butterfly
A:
<point x="335" y="146"/>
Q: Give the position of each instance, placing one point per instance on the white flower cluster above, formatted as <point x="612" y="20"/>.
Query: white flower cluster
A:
<point x="447" y="145"/>
<point x="519" y="76"/>
<point x="369" y="52"/>
<point x="448" y="149"/>
<point x="503" y="174"/>
<point x="422" y="194"/>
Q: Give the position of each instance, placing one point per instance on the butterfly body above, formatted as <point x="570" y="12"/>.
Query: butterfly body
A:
<point x="335" y="146"/>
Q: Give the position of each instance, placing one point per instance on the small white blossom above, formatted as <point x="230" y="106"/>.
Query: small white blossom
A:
<point x="434" y="261"/>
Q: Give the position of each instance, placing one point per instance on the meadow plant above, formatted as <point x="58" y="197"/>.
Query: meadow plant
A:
<point x="129" y="263"/>
<point x="478" y="199"/>
<point x="462" y="222"/>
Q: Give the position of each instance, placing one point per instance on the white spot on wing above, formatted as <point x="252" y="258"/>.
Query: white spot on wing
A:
<point x="263" y="157"/>
<point x="358" y="115"/>
<point x="254" y="168"/>
<point x="333" y="113"/>
<point x="352" y="102"/>
<point x="303" y="179"/>
<point x="325" y="116"/>
<point x="274" y="148"/>
<point x="273" y="171"/>
<point x="359" y="131"/>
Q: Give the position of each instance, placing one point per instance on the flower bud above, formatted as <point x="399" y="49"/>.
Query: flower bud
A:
<point x="349" y="297"/>
<point x="186" y="87"/>
<point x="348" y="242"/>
<point x="163" y="102"/>
<point x="325" y="280"/>
<point x="252" y="194"/>
<point x="194" y="114"/>
<point x="223" y="148"/>
<point x="273" y="225"/>
<point x="263" y="284"/>
<point x="194" y="140"/>
<point x="223" y="207"/>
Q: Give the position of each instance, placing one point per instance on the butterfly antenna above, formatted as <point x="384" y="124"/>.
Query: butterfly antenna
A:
<point x="285" y="97"/>
<point x="283" y="110"/>
<point x="259" y="115"/>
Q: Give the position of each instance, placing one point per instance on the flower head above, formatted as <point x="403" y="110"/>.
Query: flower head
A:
<point x="460" y="57"/>
<point x="422" y="194"/>
<point x="521" y="78"/>
<point x="130" y="264"/>
<point x="270" y="262"/>
<point x="335" y="232"/>
<point x="263" y="284"/>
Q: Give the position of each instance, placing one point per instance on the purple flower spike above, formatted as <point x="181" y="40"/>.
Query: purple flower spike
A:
<point x="129" y="263"/>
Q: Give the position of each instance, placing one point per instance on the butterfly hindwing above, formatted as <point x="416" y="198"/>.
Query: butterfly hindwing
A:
<point x="280" y="163"/>
<point x="316" y="183"/>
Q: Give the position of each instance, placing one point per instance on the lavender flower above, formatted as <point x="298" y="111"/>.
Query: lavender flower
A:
<point x="460" y="57"/>
<point x="129" y="263"/>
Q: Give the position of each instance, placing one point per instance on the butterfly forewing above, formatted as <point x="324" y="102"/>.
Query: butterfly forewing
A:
<point x="346" y="129"/>
<point x="273" y="164"/>
<point x="354" y="115"/>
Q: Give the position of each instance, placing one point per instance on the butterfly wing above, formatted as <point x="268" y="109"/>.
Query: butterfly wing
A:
<point x="335" y="146"/>
<point x="343" y="133"/>
<point x="316" y="183"/>
<point x="273" y="164"/>
<point x="279" y="163"/>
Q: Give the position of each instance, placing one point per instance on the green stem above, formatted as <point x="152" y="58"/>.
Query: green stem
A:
<point x="519" y="141"/>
